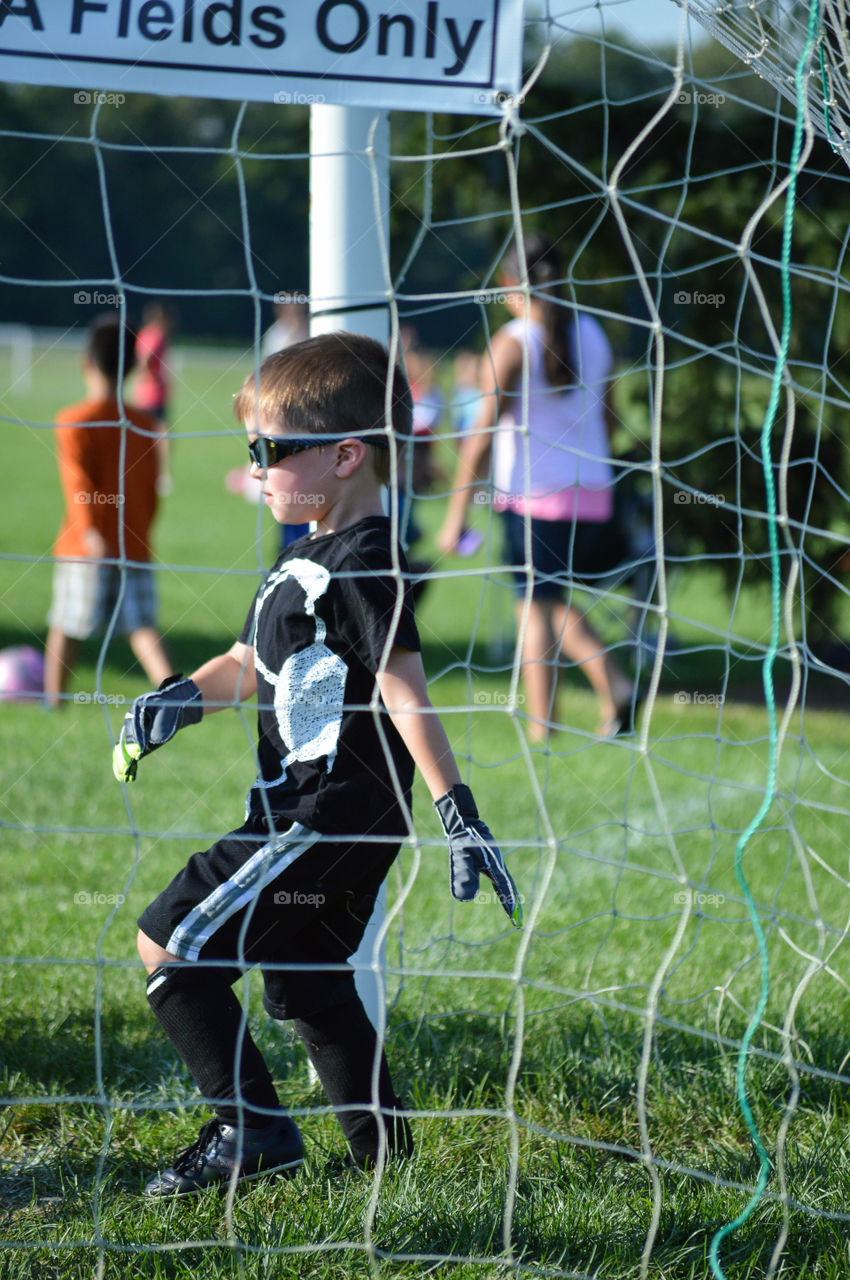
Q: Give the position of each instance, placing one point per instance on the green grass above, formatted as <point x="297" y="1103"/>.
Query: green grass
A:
<point x="603" y="840"/>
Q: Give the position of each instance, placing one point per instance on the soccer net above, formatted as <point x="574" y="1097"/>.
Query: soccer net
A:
<point x="650" y="1077"/>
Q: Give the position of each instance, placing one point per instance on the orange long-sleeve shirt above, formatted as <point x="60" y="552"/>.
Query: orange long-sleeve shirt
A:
<point x="99" y="493"/>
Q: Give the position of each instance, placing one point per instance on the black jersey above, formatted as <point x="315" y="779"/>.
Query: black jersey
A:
<point x="327" y="614"/>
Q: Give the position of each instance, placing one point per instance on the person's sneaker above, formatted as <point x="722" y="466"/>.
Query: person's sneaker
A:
<point x="221" y="1148"/>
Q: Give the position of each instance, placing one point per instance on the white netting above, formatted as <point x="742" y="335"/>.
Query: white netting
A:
<point x="769" y="37"/>
<point x="578" y="1090"/>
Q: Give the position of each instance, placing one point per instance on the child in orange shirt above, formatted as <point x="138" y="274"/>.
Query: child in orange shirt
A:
<point x="108" y="469"/>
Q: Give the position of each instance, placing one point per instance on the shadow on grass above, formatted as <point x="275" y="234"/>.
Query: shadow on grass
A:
<point x="706" y="669"/>
<point x="578" y="1208"/>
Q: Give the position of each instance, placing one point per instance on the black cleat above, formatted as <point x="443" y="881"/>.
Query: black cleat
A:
<point x="625" y="717"/>
<point x="221" y="1148"/>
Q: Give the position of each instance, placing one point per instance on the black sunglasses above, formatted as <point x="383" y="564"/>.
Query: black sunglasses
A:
<point x="266" y="451"/>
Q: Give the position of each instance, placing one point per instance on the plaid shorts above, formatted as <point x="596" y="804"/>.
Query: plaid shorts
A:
<point x="86" y="594"/>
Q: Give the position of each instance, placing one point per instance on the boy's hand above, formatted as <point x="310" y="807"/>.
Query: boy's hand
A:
<point x="153" y="720"/>
<point x="95" y="544"/>
<point x="472" y="850"/>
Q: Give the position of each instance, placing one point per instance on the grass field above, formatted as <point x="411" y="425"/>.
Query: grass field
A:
<point x="540" y="1065"/>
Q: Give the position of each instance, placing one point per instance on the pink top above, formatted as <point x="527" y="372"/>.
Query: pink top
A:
<point x="150" y="390"/>
<point x="564" y="504"/>
<point x="559" y="468"/>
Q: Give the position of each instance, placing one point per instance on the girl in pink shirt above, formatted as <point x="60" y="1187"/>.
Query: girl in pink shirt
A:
<point x="553" y="480"/>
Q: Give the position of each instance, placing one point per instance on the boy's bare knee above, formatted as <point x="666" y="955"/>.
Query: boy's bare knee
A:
<point x="152" y="954"/>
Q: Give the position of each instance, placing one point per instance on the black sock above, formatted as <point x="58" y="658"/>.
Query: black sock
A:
<point x="203" y="1019"/>
<point x="341" y="1042"/>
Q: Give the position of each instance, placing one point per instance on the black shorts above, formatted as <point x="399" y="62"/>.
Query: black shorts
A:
<point x="563" y="552"/>
<point x="295" y="899"/>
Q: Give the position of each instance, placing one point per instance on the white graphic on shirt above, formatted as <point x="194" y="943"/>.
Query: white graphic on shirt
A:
<point x="309" y="688"/>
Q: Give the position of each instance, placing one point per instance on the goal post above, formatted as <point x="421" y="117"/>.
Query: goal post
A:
<point x="350" y="289"/>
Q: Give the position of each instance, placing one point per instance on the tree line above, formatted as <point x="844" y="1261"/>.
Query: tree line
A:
<point x="200" y="195"/>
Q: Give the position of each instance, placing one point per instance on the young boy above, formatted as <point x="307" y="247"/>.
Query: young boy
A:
<point x="108" y="473"/>
<point x="331" y="650"/>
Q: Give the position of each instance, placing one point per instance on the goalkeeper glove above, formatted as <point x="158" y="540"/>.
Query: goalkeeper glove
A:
<point x="472" y="850"/>
<point x="153" y="720"/>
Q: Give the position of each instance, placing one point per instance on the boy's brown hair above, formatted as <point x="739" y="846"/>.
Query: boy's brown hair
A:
<point x="332" y="384"/>
<point x="106" y="337"/>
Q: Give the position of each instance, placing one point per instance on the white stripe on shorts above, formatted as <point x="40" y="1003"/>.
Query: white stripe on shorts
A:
<point x="265" y="865"/>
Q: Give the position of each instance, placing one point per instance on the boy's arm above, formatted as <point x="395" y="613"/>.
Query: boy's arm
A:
<point x="472" y="849"/>
<point x="155" y="717"/>
<point x="227" y="678"/>
<point x="404" y="693"/>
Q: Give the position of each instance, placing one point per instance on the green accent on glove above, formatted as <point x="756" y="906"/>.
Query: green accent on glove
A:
<point x="125" y="760"/>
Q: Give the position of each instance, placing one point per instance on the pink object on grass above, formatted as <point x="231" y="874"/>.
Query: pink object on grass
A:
<point x="21" y="673"/>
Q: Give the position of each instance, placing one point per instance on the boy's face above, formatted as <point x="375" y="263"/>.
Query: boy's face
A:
<point x="297" y="489"/>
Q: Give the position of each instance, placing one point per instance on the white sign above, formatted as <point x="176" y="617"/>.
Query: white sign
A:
<point x="415" y="55"/>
